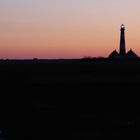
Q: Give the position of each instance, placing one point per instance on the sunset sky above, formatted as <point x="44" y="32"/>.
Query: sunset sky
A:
<point x="67" y="28"/>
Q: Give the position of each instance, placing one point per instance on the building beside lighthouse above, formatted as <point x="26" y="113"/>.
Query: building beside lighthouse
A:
<point x="122" y="49"/>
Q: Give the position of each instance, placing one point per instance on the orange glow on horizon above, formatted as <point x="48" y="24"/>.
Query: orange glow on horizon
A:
<point x="71" y="29"/>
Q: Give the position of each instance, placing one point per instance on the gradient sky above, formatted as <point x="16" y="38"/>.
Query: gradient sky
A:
<point x="66" y="28"/>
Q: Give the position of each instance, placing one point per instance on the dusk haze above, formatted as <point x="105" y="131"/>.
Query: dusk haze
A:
<point x="66" y="28"/>
<point x="69" y="69"/>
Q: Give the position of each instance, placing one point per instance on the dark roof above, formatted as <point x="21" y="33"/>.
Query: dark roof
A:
<point x="131" y="54"/>
<point x="114" y="54"/>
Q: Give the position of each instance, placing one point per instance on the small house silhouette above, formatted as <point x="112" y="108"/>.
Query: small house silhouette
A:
<point x="114" y="54"/>
<point x="131" y="54"/>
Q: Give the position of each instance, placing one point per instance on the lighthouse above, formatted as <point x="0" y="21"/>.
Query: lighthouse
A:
<point x="122" y="41"/>
<point x="122" y="48"/>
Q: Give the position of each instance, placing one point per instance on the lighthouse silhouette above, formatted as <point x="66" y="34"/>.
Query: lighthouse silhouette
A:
<point x="122" y="41"/>
<point x="122" y="49"/>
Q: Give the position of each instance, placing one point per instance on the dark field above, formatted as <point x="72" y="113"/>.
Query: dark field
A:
<point x="70" y="99"/>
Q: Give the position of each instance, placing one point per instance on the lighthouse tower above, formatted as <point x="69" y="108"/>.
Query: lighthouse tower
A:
<point x="122" y="52"/>
<point x="122" y="41"/>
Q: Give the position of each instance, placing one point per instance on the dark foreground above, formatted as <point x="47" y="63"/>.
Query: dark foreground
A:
<point x="70" y="99"/>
